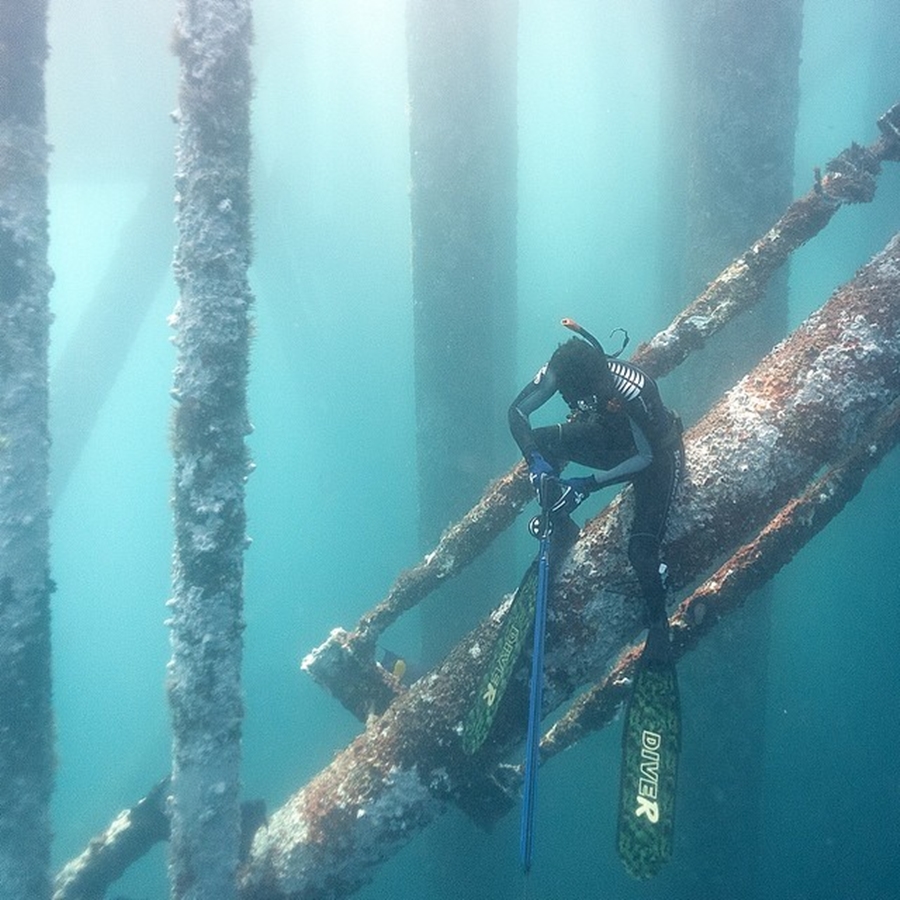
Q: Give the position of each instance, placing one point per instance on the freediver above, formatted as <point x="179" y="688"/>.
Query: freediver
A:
<point x="618" y="425"/>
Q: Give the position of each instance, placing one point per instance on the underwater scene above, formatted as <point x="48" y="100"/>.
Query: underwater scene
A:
<point x="433" y="187"/>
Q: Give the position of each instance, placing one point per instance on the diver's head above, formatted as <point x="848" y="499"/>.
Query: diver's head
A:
<point x="581" y="372"/>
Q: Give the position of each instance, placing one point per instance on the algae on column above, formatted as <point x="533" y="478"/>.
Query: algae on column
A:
<point x="210" y="423"/>
<point x="26" y="725"/>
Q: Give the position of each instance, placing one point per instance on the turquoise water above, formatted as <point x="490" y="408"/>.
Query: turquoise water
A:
<point x="332" y="505"/>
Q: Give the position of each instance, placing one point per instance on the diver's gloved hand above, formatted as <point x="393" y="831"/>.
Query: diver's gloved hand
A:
<point x="543" y="479"/>
<point x="538" y="467"/>
<point x="560" y="496"/>
<point x="582" y="486"/>
<point x="572" y="493"/>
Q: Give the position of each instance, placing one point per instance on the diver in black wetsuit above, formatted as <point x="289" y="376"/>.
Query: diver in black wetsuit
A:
<point x="618" y="425"/>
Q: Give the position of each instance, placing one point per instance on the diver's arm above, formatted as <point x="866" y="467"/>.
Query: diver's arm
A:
<point x="536" y="393"/>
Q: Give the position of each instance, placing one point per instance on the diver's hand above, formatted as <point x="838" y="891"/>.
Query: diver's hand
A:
<point x="573" y="492"/>
<point x="538" y="468"/>
<point x="564" y="495"/>
<point x="561" y="496"/>
<point x="582" y="486"/>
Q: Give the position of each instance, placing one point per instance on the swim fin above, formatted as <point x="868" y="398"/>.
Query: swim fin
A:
<point x="651" y="742"/>
<point x="506" y="651"/>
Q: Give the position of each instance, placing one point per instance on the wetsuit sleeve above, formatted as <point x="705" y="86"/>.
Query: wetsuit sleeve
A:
<point x="536" y="393"/>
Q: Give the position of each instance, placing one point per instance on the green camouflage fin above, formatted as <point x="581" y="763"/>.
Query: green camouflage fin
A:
<point x="651" y="742"/>
<point x="506" y="651"/>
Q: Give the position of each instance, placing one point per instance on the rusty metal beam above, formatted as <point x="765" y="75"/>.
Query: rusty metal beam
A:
<point x="130" y="836"/>
<point x="849" y="178"/>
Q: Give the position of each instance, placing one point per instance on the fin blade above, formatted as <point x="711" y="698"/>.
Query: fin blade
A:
<point x="505" y="653"/>
<point x="651" y="742"/>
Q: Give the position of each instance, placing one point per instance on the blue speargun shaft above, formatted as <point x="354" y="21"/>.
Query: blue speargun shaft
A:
<point x="533" y="739"/>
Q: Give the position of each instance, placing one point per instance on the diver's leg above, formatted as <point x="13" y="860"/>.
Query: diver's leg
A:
<point x="653" y="490"/>
<point x="551" y="444"/>
<point x="586" y="443"/>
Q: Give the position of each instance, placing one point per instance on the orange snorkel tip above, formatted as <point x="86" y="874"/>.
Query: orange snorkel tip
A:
<point x="572" y="325"/>
<point x="581" y="331"/>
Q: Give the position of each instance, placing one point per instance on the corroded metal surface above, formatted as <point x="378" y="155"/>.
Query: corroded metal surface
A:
<point x="850" y="178"/>
<point x="129" y="836"/>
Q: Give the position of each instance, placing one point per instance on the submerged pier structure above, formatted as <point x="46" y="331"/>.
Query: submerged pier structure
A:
<point x="824" y="400"/>
<point x="26" y="719"/>
<point x="210" y="424"/>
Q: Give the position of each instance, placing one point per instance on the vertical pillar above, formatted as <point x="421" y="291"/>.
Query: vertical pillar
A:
<point x="26" y="728"/>
<point x="210" y="423"/>
<point x="462" y="103"/>
<point x="462" y="74"/>
<point x="733" y="124"/>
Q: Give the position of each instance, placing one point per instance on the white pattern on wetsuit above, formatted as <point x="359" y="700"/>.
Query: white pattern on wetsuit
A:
<point x="629" y="380"/>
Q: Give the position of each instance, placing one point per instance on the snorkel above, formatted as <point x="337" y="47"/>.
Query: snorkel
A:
<point x="581" y="331"/>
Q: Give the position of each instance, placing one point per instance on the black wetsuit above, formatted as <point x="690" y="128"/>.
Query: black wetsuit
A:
<point x="629" y="436"/>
